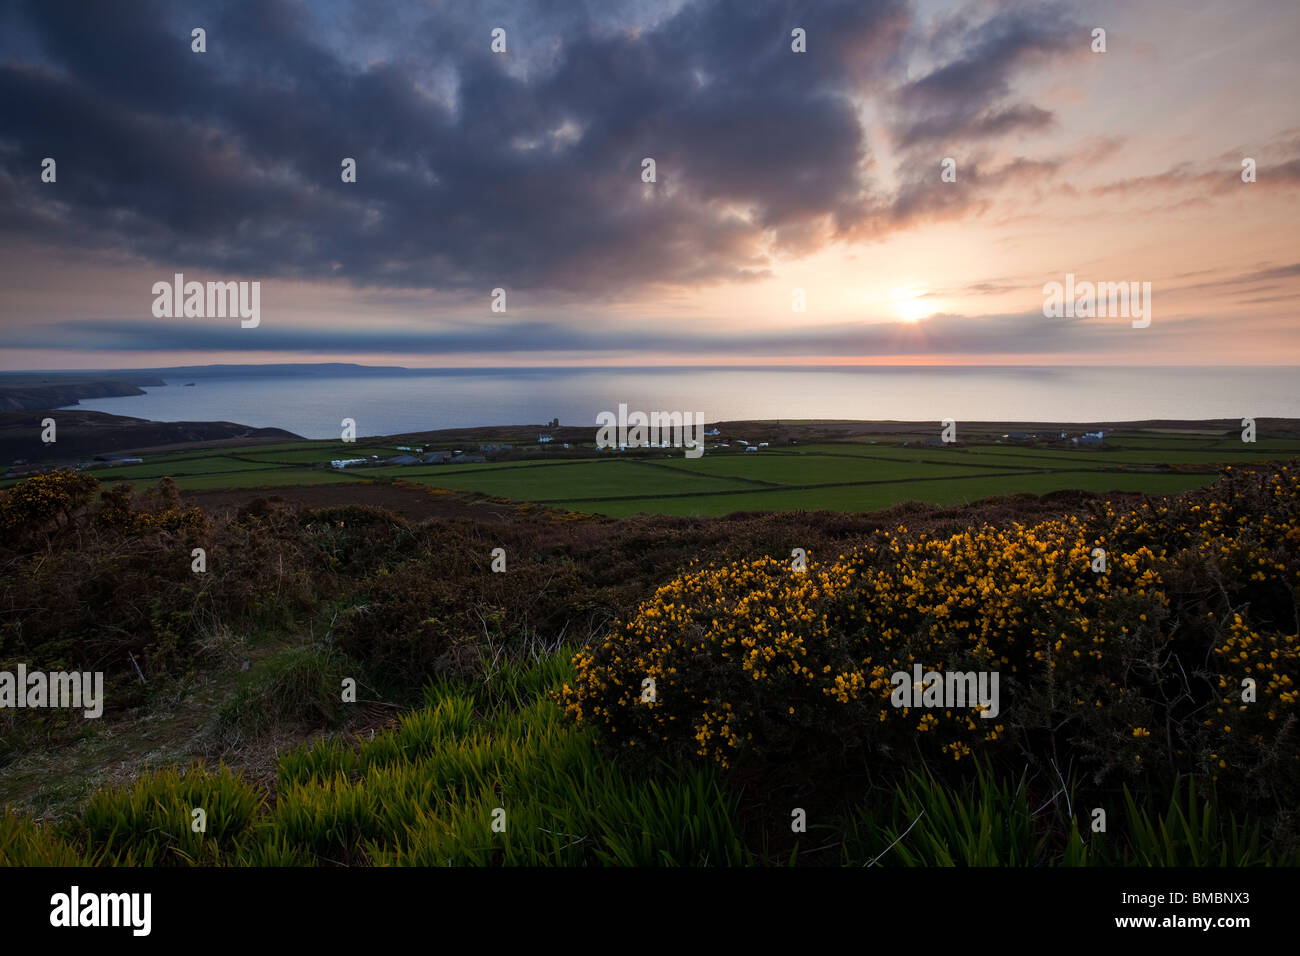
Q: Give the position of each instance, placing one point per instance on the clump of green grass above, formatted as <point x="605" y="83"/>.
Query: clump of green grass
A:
<point x="986" y="823"/>
<point x="1194" y="832"/>
<point x="25" y="843"/>
<point x="323" y="760"/>
<point x="533" y="792"/>
<point x="989" y="822"/>
<point x="152" y="822"/>
<point x="488" y="774"/>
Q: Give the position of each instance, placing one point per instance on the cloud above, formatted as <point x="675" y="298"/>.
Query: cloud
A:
<point x="1023" y="333"/>
<point x="1197" y="177"/>
<point x="966" y="97"/>
<point x="1223" y="284"/>
<point x="923" y="196"/>
<point x="949" y="128"/>
<point x="478" y="170"/>
<point x="519" y="170"/>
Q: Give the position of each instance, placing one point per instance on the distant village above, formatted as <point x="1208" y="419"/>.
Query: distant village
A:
<point x="498" y="451"/>
<point x="418" y="455"/>
<point x="1050" y="439"/>
<point x="21" y="466"/>
<point x="415" y="455"/>
<point x="1087" y="439"/>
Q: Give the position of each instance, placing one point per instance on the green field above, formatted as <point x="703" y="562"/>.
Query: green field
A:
<point x="857" y="475"/>
<point x="590" y="479"/>
<point x="874" y="497"/>
<point x="806" y="468"/>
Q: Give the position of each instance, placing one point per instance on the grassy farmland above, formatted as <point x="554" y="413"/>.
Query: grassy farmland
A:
<point x="863" y="474"/>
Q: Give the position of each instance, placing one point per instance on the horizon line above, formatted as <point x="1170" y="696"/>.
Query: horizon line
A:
<point x="661" y="367"/>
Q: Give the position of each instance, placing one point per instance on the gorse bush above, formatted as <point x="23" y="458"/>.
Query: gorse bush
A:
<point x="1132" y="671"/>
<point x="162" y="511"/>
<point x="41" y="502"/>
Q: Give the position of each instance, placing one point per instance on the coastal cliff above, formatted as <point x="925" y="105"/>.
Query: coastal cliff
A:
<point x="26" y="396"/>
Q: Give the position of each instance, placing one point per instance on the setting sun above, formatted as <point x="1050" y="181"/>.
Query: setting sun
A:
<point x="910" y="306"/>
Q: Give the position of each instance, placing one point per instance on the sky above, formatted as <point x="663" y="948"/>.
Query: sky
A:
<point x="781" y="177"/>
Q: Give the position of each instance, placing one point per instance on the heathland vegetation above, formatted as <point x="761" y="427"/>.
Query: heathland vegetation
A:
<point x="501" y="715"/>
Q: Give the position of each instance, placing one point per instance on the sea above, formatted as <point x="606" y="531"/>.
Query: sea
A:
<point x="388" y="402"/>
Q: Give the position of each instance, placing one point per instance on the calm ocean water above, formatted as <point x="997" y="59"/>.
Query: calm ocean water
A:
<point x="388" y="403"/>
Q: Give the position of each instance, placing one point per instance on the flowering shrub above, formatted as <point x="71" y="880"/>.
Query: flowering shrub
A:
<point x="56" y="499"/>
<point x="162" y="511"/>
<point x="43" y="501"/>
<point x="1137" y="667"/>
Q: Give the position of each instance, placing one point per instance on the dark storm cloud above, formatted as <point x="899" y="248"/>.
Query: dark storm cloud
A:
<point x="478" y="170"/>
